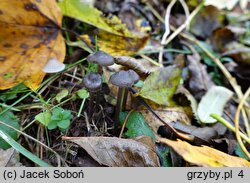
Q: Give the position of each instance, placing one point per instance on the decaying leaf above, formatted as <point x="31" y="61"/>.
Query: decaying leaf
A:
<point x="168" y="114"/>
<point x="193" y="103"/>
<point x="161" y="85"/>
<point x="113" y="36"/>
<point x="8" y="158"/>
<point x="140" y="66"/>
<point x="202" y="135"/>
<point x="206" y="22"/>
<point x="199" y="81"/>
<point x="29" y="37"/>
<point x="213" y="103"/>
<point x="117" y="152"/>
<point x="205" y="156"/>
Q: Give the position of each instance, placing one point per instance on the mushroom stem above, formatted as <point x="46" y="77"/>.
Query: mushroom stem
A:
<point x="121" y="102"/>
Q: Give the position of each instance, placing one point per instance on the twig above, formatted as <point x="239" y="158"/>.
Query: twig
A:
<point x="236" y="121"/>
<point x="179" y="29"/>
<point x="167" y="30"/>
<point x="125" y="122"/>
<point x="229" y="126"/>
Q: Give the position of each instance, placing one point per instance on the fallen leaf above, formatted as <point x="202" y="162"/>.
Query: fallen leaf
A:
<point x="205" y="156"/>
<point x="193" y="103"/>
<point x="239" y="52"/>
<point x="120" y="45"/>
<point x="168" y="114"/>
<point x="29" y="37"/>
<point x="202" y="135"/>
<point x="113" y="36"/>
<point x="136" y="125"/>
<point x="141" y="66"/>
<point x="213" y="103"/>
<point x="117" y="152"/>
<point x="9" y="158"/>
<point x="206" y="21"/>
<point x="199" y="81"/>
<point x="161" y="85"/>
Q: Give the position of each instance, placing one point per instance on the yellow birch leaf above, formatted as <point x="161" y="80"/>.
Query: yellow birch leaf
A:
<point x="205" y="156"/>
<point x="29" y="37"/>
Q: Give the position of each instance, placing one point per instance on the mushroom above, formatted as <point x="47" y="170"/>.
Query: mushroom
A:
<point x="124" y="80"/>
<point x="101" y="58"/>
<point x="93" y="83"/>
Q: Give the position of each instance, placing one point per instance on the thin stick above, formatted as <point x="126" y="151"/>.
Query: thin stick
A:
<point x="229" y="126"/>
<point x="236" y="121"/>
<point x="125" y="122"/>
<point x="167" y="30"/>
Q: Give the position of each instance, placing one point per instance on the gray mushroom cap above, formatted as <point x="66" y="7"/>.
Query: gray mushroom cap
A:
<point x="92" y="81"/>
<point x="101" y="58"/>
<point x="124" y="78"/>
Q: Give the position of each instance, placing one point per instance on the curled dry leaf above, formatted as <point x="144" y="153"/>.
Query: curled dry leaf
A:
<point x="193" y="103"/>
<point x="26" y="44"/>
<point x="205" y="156"/>
<point x="202" y="135"/>
<point x="140" y="66"/>
<point x="117" y="152"/>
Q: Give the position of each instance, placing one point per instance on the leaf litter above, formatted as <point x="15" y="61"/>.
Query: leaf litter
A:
<point x="175" y="92"/>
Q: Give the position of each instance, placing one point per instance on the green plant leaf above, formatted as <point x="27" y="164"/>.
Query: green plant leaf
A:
<point x="163" y="152"/>
<point x="62" y="94"/>
<point x="161" y="85"/>
<point x="10" y="119"/>
<point x="12" y="93"/>
<point x="240" y="152"/>
<point x="83" y="94"/>
<point x="213" y="102"/>
<point x="136" y="125"/>
<point x="82" y="11"/>
<point x="60" y="118"/>
<point x="12" y="142"/>
<point x="44" y="118"/>
<point x="64" y="124"/>
<point x="52" y="125"/>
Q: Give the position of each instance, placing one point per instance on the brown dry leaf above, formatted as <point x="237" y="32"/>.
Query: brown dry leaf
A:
<point x="206" y="21"/>
<point x="168" y="114"/>
<point x="205" y="156"/>
<point x="8" y="158"/>
<point x="117" y="152"/>
<point x="141" y="66"/>
<point x="29" y="37"/>
<point x="199" y="81"/>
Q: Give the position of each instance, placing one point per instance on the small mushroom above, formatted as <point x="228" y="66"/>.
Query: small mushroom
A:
<point x="101" y="58"/>
<point x="93" y="83"/>
<point x="124" y="80"/>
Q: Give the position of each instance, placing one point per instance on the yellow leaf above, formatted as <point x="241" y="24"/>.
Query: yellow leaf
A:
<point x="120" y="45"/>
<point x="29" y="37"/>
<point x="205" y="156"/>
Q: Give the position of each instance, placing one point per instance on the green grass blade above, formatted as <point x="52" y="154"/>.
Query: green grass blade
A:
<point x="22" y="150"/>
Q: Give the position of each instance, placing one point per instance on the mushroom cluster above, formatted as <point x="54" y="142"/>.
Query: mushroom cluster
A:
<point x="122" y="79"/>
